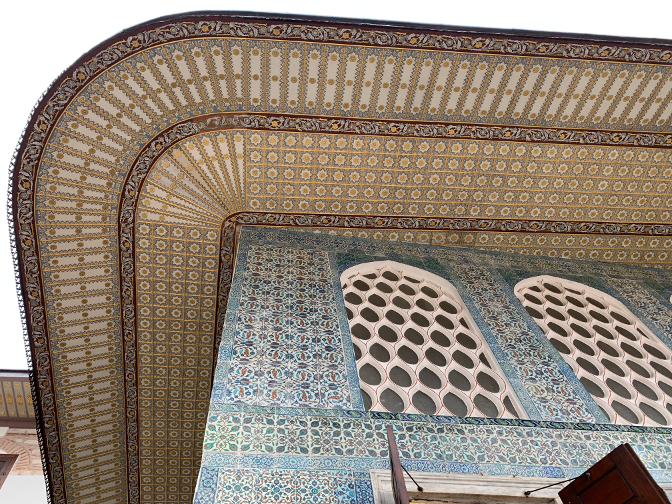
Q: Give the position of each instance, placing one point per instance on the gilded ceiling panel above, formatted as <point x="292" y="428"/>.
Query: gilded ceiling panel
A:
<point x="140" y="162"/>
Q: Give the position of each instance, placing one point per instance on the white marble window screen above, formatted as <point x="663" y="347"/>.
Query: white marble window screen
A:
<point x="623" y="365"/>
<point x="418" y="349"/>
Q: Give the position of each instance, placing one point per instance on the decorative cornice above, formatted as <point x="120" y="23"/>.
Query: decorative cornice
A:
<point x="140" y="38"/>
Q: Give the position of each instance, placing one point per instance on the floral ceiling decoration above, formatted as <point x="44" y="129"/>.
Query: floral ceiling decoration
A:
<point x="143" y="157"/>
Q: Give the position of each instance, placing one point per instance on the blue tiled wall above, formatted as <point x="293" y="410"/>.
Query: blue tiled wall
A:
<point x="286" y="420"/>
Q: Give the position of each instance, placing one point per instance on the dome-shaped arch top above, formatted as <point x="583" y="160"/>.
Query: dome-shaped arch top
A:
<point x="418" y="349"/>
<point x="621" y="363"/>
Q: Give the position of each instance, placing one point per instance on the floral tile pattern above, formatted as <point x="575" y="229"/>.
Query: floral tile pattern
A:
<point x="274" y="434"/>
<point x="286" y="348"/>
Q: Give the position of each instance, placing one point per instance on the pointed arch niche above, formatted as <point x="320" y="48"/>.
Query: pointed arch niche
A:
<point x="621" y="363"/>
<point x="418" y="349"/>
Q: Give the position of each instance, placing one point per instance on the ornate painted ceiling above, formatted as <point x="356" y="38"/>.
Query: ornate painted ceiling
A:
<point x="141" y="160"/>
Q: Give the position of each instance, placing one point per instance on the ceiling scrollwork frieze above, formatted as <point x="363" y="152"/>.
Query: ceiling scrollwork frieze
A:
<point x="176" y="132"/>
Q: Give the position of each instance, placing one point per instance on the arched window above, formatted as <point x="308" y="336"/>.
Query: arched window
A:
<point x="623" y="365"/>
<point x="417" y="348"/>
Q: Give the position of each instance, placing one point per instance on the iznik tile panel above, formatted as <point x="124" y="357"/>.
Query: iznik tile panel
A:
<point x="286" y="347"/>
<point x="286" y="421"/>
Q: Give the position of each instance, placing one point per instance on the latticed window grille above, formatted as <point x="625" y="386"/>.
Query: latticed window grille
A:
<point x="623" y="365"/>
<point x="418" y="349"/>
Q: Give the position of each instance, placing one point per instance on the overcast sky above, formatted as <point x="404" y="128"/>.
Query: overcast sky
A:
<point x="41" y="39"/>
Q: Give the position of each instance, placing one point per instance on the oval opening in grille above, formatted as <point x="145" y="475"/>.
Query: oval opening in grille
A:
<point x="554" y="300"/>
<point x="534" y="312"/>
<point x="390" y="276"/>
<point x="414" y="336"/>
<point x="379" y="352"/>
<point x="466" y="341"/>
<point x="423" y="304"/>
<point x="626" y="333"/>
<point x="574" y="301"/>
<point x="638" y="368"/>
<point x="653" y="413"/>
<point x="604" y="332"/>
<point x="391" y="401"/>
<point x="595" y="302"/>
<point x="370" y="375"/>
<point x="463" y="359"/>
<point x="580" y="330"/>
<point x="577" y="315"/>
<point x="361" y="332"/>
<point x="508" y="404"/>
<point x="436" y="357"/>
<point x="665" y="371"/>
<point x="607" y="348"/>
<point x="407" y="289"/>
<point x="613" y="367"/>
<point x="458" y="380"/>
<point x="645" y="390"/>
<point x="361" y="285"/>
<point x="587" y="365"/>
<point x="383" y="287"/>
<point x="378" y="301"/>
<point x="455" y="405"/>
<point x="592" y="387"/>
<point x="430" y="378"/>
<point x="631" y="350"/>
<point x="401" y="303"/>
<point x="369" y="315"/>
<point x="552" y="288"/>
<point x="654" y="351"/>
<point x="486" y="406"/>
<point x="560" y="346"/>
<point x="447" y="307"/>
<point x="440" y="339"/>
<point x="388" y="334"/>
<point x="555" y="314"/>
<point x="625" y="412"/>
<point x="620" y="317"/>
<point x="429" y="292"/>
<point x="598" y="316"/>
<point x="618" y="388"/>
<point x="400" y="377"/>
<point x="394" y="317"/>
<point x="366" y="398"/>
<point x="533" y="299"/>
<point x="582" y="347"/>
<point x="420" y="319"/>
<point x="445" y="322"/>
<point x="488" y="382"/>
<point x="408" y="355"/>
<point x="557" y="328"/>
<point x="423" y="403"/>
<point x="353" y="298"/>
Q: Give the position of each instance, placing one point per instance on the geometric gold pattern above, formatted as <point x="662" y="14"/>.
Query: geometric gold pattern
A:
<point x="120" y="197"/>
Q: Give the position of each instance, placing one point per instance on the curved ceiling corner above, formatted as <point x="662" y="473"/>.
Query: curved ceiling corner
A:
<point x="141" y="160"/>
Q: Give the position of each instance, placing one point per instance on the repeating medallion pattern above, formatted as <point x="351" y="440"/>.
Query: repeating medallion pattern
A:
<point x="171" y="106"/>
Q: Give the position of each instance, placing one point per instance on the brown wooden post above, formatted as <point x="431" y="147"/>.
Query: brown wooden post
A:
<point x="398" y="483"/>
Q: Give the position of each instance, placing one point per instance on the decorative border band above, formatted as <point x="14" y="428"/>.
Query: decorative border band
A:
<point x="194" y="25"/>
